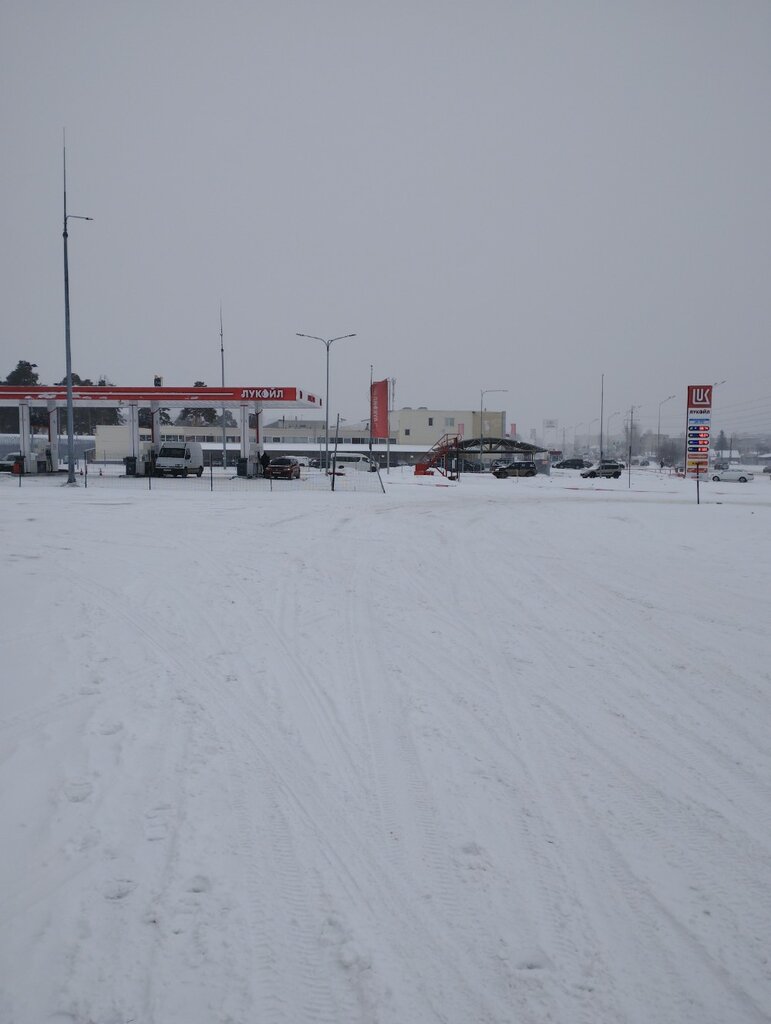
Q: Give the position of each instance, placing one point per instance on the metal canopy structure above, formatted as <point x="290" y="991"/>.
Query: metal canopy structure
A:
<point x="498" y="445"/>
<point x="453" y="447"/>
<point x="130" y="400"/>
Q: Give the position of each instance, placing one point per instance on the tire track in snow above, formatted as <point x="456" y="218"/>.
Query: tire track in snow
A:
<point x="570" y="947"/>
<point x="617" y="863"/>
<point x="424" y="847"/>
<point x="673" y="834"/>
<point x="170" y="884"/>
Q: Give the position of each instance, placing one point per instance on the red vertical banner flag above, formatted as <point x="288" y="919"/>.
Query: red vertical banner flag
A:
<point x="378" y="408"/>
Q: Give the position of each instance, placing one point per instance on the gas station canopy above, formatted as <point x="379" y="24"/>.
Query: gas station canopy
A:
<point x="295" y="398"/>
<point x="54" y="397"/>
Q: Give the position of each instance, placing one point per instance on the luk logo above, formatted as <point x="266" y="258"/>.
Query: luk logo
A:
<point x="700" y="395"/>
<point x="262" y="393"/>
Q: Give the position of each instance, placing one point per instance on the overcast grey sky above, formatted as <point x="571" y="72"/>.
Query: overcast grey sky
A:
<point x="521" y="195"/>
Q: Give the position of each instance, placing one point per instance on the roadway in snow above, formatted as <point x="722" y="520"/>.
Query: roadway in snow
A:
<point x="487" y="753"/>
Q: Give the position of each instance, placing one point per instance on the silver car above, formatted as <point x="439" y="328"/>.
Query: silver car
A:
<point x="736" y="474"/>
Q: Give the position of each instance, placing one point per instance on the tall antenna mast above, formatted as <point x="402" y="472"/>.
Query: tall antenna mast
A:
<point x="371" y="372"/>
<point x="222" y="360"/>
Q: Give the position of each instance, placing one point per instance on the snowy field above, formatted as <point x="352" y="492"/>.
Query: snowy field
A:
<point x="488" y="753"/>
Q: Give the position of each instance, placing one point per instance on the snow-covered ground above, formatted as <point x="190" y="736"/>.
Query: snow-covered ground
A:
<point x="489" y="752"/>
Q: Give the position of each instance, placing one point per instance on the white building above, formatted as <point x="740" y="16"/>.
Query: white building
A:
<point x="426" y="426"/>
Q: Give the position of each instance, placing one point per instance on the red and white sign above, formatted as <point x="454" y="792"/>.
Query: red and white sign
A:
<point x="700" y="396"/>
<point x="698" y="421"/>
<point x="113" y="395"/>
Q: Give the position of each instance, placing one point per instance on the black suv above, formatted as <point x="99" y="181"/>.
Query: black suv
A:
<point x="514" y="468"/>
<point x="606" y="468"/>
<point x="571" y="464"/>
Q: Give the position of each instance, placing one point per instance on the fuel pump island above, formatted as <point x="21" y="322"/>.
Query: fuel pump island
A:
<point x="141" y="455"/>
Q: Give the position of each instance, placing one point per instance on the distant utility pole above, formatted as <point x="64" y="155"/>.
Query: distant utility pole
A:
<point x="602" y="409"/>
<point x="631" y="436"/>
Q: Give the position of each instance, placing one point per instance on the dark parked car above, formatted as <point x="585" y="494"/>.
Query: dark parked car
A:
<point x="571" y="464"/>
<point x="767" y="469"/>
<point x="7" y="461"/>
<point x="514" y="468"/>
<point x="285" y="467"/>
<point x="606" y="468"/>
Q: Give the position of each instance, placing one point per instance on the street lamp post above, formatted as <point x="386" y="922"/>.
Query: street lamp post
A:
<point x="486" y="391"/>
<point x="716" y="384"/>
<point x="327" y="343"/>
<point x="589" y="428"/>
<point x="575" y="436"/>
<point x="67" y="349"/>
<point x="658" y="427"/>
<point x="607" y="429"/>
<point x="631" y="439"/>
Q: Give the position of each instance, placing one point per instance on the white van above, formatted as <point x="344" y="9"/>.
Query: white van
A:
<point x="178" y="458"/>
<point x="344" y="461"/>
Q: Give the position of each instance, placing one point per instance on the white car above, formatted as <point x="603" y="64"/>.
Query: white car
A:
<point x="737" y="474"/>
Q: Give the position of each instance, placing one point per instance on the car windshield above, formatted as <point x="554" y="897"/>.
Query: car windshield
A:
<point x="281" y="462"/>
<point x="168" y="452"/>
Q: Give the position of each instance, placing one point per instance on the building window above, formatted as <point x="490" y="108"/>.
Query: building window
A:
<point x="407" y="432"/>
<point x="430" y="421"/>
<point x="449" y="421"/>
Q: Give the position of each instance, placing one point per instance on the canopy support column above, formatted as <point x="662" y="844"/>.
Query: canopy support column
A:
<point x="133" y="425"/>
<point x="244" y="409"/>
<point x="53" y="435"/>
<point x="155" y="412"/>
<point x="25" y="446"/>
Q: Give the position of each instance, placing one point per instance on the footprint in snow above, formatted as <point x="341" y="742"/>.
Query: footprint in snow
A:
<point x="109" y="728"/>
<point x="76" y="792"/>
<point x="118" y="888"/>
<point x="157" y="822"/>
<point x="199" y="883"/>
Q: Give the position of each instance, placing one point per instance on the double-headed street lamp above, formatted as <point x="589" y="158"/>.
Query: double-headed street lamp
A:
<point x="67" y="351"/>
<point x="607" y="427"/>
<point x="589" y="428"/>
<point x="658" y="427"/>
<point x="327" y="342"/>
<point x="486" y="391"/>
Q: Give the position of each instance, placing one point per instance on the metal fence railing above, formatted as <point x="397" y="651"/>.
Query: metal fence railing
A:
<point x="94" y="475"/>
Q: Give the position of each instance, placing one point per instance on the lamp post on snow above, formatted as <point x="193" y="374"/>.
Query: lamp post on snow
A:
<point x="589" y="428"/>
<point x="717" y="384"/>
<point x="607" y="429"/>
<point x="67" y="350"/>
<point x="486" y="391"/>
<point x="327" y="343"/>
<point x="658" y="427"/>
